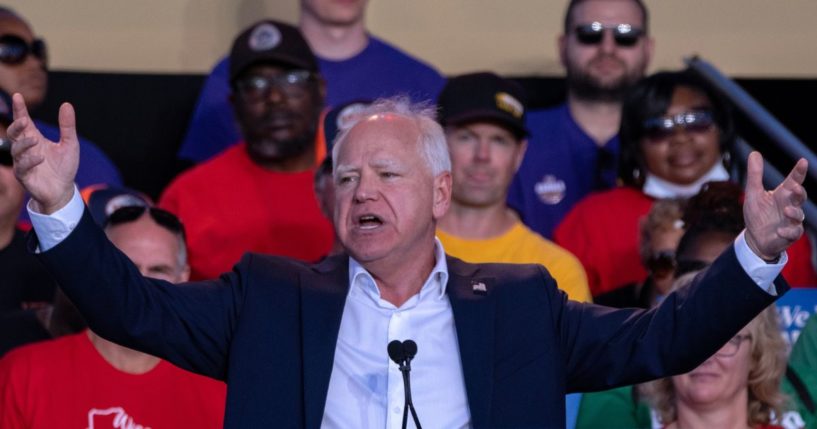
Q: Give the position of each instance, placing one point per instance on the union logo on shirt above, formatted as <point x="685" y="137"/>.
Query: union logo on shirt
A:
<point x="550" y="190"/>
<point x="113" y="418"/>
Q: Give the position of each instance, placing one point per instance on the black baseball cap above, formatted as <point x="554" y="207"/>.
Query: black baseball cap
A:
<point x="271" y="41"/>
<point x="483" y="96"/>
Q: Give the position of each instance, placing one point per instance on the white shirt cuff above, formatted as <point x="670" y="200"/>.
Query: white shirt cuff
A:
<point x="52" y="229"/>
<point x="762" y="272"/>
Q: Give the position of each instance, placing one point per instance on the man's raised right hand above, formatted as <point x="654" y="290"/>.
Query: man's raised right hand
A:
<point x="46" y="169"/>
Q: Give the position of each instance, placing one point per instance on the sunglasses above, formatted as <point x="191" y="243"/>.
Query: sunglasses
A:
<point x="661" y="264"/>
<point x="15" y="50"/>
<point x="625" y="35"/>
<point x="291" y="84"/>
<point x="660" y="128"/>
<point x="129" y="214"/>
<point x="5" y="152"/>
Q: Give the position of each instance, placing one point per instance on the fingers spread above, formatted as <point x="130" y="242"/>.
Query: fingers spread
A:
<point x="18" y="106"/>
<point x="68" y="123"/>
<point x="19" y="146"/>
<point x="798" y="173"/>
<point x="18" y="128"/>
<point x="794" y="214"/>
<point x="24" y="164"/>
<point x="754" y="174"/>
<point x="790" y="233"/>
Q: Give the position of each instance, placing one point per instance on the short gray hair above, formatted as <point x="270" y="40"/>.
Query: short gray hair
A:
<point x="434" y="148"/>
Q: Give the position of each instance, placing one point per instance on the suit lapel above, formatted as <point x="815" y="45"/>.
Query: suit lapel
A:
<point x="473" y="309"/>
<point x="323" y="297"/>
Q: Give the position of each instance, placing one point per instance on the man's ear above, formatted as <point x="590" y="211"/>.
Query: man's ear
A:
<point x="442" y="194"/>
<point x="185" y="274"/>
<point x="520" y="154"/>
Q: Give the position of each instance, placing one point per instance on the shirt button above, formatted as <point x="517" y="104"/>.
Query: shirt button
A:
<point x="396" y="410"/>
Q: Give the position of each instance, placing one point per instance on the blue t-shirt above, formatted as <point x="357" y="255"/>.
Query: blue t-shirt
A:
<point x="380" y="70"/>
<point x="562" y="165"/>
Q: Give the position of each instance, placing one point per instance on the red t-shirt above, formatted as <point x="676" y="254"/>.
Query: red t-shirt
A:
<point x="66" y="383"/>
<point x="602" y="231"/>
<point x="230" y="206"/>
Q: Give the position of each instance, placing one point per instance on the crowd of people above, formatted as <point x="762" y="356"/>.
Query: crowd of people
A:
<point x="625" y="194"/>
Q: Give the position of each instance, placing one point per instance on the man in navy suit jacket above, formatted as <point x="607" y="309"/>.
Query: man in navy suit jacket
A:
<point x="305" y="345"/>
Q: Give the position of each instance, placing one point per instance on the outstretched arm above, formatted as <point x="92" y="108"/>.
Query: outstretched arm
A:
<point x="46" y="169"/>
<point x="774" y="219"/>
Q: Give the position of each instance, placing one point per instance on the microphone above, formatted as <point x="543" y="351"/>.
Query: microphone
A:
<point x="402" y="353"/>
<point x="397" y="352"/>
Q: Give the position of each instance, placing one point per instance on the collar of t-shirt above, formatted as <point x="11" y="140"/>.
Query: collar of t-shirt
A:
<point x="657" y="187"/>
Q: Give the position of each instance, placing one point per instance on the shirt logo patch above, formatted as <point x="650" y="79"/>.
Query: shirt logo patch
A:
<point x="551" y="190"/>
<point x="114" y="418"/>
<point x="264" y="37"/>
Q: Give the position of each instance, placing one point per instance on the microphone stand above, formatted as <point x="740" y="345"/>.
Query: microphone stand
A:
<point x="405" y="368"/>
<point x="402" y="354"/>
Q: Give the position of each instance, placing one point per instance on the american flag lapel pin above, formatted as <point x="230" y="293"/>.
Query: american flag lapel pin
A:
<point x="479" y="288"/>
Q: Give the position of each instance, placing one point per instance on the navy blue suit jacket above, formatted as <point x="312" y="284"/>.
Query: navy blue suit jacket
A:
<point x="270" y="326"/>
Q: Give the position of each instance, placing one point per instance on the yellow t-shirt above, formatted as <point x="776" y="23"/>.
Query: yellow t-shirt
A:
<point x="521" y="245"/>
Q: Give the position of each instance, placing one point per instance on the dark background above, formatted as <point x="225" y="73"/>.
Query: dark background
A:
<point x="139" y="120"/>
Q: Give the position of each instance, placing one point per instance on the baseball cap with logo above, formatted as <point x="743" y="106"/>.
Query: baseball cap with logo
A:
<point x="483" y="96"/>
<point x="271" y="42"/>
<point x="102" y="200"/>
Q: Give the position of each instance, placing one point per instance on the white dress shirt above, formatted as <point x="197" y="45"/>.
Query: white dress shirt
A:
<point x="366" y="387"/>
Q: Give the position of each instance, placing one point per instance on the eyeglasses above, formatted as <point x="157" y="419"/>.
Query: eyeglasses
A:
<point x="661" y="264"/>
<point x="732" y="346"/>
<point x="5" y="152"/>
<point x="15" y="50"/>
<point x="291" y="84"/>
<point x="129" y="214"/>
<point x="625" y="35"/>
<point x="662" y="127"/>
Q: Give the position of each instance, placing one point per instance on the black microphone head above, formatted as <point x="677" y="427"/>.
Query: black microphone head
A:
<point x="410" y="349"/>
<point x="396" y="352"/>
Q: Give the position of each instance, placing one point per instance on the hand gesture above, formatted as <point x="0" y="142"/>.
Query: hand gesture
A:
<point x="45" y="168"/>
<point x="774" y="219"/>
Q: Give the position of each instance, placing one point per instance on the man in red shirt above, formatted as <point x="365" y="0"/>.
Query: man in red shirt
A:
<point x="258" y="196"/>
<point x="85" y="381"/>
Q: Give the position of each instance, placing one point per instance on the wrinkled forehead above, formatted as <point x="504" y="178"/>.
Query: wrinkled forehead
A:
<point x="380" y="137"/>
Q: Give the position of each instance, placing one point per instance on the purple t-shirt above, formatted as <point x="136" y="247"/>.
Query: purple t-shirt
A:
<point x="562" y="165"/>
<point x="380" y="70"/>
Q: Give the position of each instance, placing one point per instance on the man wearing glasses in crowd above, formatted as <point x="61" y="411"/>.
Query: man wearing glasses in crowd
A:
<point x="257" y="196"/>
<point x="23" y="69"/>
<point x="573" y="147"/>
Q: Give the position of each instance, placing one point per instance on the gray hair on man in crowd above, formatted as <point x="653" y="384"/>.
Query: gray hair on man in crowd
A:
<point x="432" y="138"/>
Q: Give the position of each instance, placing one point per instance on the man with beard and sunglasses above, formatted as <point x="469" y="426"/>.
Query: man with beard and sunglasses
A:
<point x="573" y="147"/>
<point x="23" y="69"/>
<point x="258" y="196"/>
